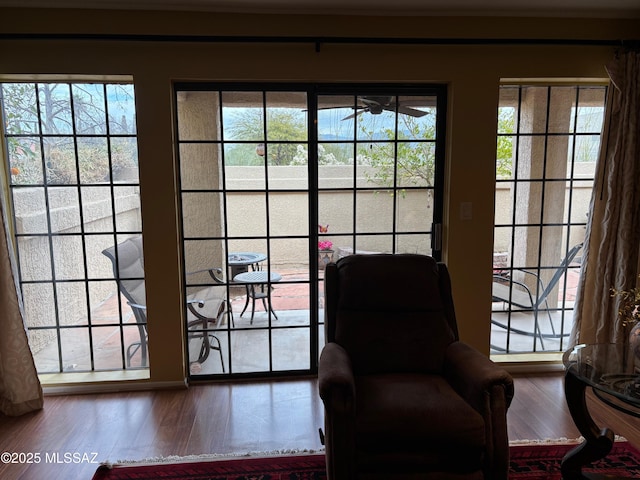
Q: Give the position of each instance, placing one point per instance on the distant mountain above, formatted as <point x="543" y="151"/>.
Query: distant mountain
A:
<point x="329" y="137"/>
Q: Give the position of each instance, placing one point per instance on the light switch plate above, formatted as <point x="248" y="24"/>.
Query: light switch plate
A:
<point x="466" y="211"/>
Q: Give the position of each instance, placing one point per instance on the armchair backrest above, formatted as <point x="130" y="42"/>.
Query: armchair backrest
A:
<point x="392" y="313"/>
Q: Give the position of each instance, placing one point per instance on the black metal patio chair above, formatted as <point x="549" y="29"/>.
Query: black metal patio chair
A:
<point x="522" y="296"/>
<point x="206" y="308"/>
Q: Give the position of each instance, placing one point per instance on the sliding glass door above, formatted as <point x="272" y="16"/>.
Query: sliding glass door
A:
<point x="276" y="181"/>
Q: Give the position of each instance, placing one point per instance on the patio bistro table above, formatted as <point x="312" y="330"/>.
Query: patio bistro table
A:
<point x="252" y="279"/>
<point x="613" y="373"/>
<point x="239" y="262"/>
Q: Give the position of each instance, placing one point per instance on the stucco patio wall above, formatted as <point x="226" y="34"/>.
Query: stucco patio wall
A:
<point x="578" y="197"/>
<point x="40" y="298"/>
<point x="287" y="225"/>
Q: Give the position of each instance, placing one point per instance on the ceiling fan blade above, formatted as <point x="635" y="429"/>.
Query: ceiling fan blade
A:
<point x="414" y="112"/>
<point x="335" y="107"/>
<point x="376" y="100"/>
<point x="355" y="114"/>
<point x="376" y="104"/>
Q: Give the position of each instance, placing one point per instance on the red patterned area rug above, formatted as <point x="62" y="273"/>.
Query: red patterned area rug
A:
<point x="542" y="461"/>
<point x="296" y="467"/>
<point x="528" y="462"/>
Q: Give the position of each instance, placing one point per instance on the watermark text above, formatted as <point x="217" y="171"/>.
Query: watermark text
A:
<point x="48" y="457"/>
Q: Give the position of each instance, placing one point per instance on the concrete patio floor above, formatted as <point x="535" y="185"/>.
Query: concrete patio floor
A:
<point x="250" y="343"/>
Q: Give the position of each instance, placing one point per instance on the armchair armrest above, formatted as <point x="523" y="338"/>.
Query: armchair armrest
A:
<point x="215" y="273"/>
<point x="137" y="306"/>
<point x="512" y="291"/>
<point x="336" y="383"/>
<point x="204" y="319"/>
<point x="489" y="389"/>
<point x="195" y="301"/>
<point x="474" y="375"/>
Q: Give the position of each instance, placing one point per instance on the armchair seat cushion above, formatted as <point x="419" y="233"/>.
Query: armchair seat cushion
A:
<point x="414" y="412"/>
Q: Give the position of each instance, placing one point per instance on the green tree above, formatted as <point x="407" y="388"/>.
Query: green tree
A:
<point x="282" y="125"/>
<point x="58" y="111"/>
<point x="504" y="153"/>
<point x="410" y="159"/>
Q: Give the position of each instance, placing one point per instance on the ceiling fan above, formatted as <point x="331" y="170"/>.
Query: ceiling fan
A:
<point x="377" y="104"/>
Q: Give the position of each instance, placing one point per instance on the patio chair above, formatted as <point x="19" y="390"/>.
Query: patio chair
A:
<point x="523" y="297"/>
<point x="206" y="308"/>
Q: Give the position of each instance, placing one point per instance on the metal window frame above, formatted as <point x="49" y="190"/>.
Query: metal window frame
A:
<point x="313" y="92"/>
<point x="516" y="182"/>
<point x="82" y="234"/>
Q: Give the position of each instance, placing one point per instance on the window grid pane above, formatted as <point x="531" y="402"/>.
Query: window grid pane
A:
<point x="546" y="154"/>
<point x="291" y="193"/>
<point x="74" y="189"/>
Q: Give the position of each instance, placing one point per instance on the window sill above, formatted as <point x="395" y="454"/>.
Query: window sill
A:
<point x="98" y="382"/>
<point x="530" y="362"/>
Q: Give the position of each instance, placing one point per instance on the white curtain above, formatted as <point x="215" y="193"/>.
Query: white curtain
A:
<point x="20" y="389"/>
<point x="613" y="231"/>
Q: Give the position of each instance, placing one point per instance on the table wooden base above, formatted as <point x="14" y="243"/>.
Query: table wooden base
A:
<point x="597" y="442"/>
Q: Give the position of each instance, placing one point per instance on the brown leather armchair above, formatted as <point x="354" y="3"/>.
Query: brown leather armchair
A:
<point x="403" y="397"/>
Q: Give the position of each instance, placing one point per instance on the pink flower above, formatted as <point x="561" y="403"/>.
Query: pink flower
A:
<point x="325" y="245"/>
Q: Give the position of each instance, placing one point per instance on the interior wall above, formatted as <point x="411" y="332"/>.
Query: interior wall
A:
<point x="472" y="73"/>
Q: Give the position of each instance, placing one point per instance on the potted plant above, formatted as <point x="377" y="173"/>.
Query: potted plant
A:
<point x="629" y="314"/>
<point x="325" y="248"/>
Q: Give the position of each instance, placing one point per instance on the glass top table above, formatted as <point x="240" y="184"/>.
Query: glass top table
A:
<point x="240" y="262"/>
<point x="254" y="279"/>
<point x="612" y="371"/>
<point x="246" y="258"/>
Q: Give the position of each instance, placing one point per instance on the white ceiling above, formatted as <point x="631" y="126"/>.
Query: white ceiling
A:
<point x="545" y="8"/>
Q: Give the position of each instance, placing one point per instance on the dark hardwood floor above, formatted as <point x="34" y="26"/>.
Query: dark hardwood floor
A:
<point x="72" y="431"/>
